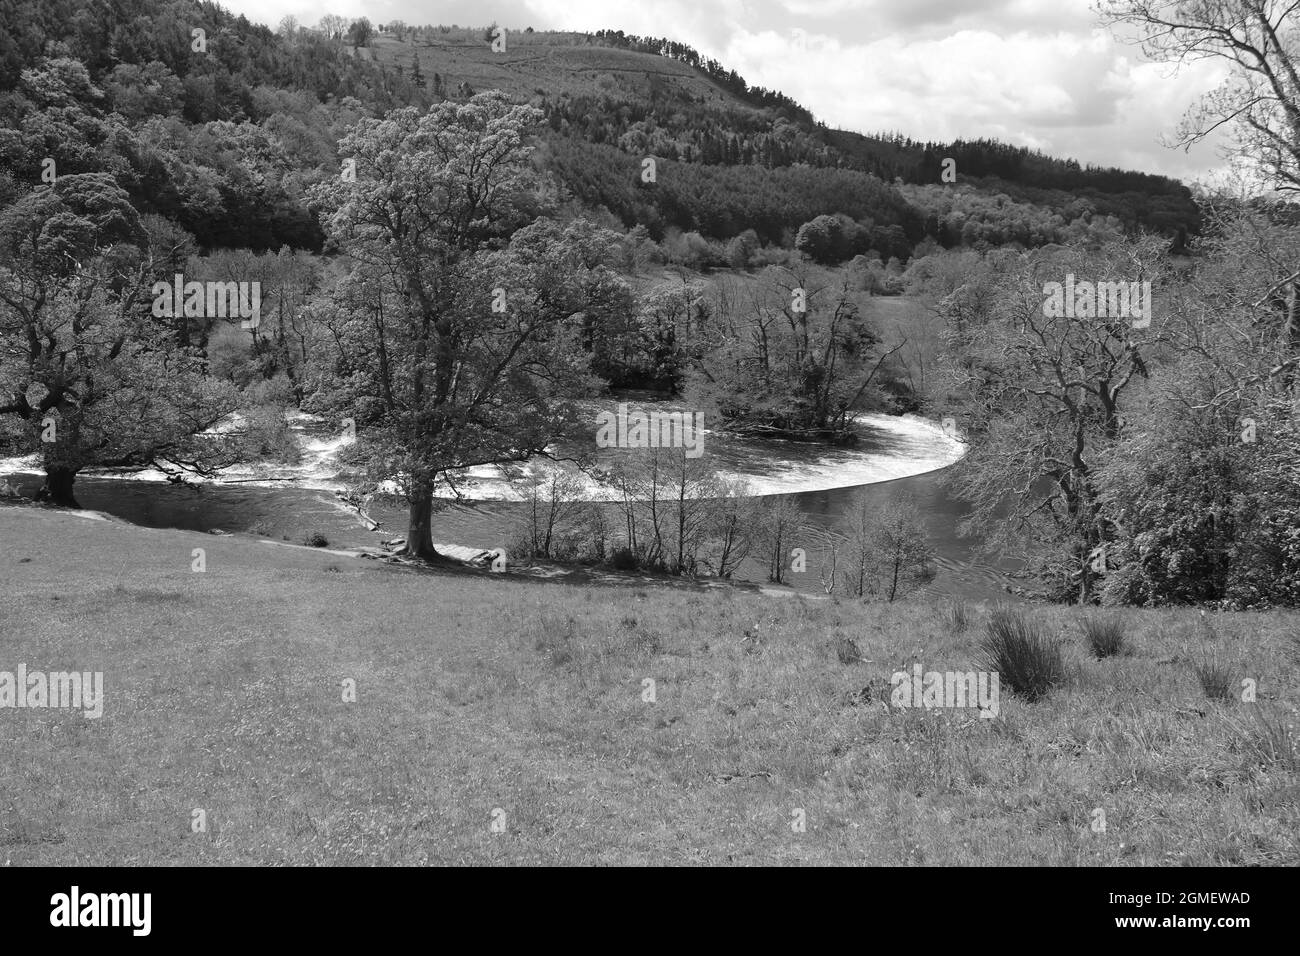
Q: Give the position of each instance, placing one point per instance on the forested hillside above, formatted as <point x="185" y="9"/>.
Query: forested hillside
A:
<point x="222" y="131"/>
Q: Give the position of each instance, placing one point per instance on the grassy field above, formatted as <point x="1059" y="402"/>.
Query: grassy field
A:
<point x="485" y="699"/>
<point x="557" y="64"/>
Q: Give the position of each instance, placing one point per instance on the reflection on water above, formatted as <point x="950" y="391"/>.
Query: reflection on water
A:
<point x="958" y="570"/>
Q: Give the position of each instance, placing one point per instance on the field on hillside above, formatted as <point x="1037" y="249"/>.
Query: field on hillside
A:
<point x="553" y="63"/>
<point x="503" y="720"/>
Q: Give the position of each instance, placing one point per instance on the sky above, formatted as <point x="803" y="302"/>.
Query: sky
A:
<point x="1039" y="73"/>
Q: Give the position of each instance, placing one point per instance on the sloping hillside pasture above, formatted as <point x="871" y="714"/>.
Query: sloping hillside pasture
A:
<point x="490" y="699"/>
<point x="558" y="63"/>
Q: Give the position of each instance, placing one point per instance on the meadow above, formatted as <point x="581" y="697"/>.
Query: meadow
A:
<point x="504" y="720"/>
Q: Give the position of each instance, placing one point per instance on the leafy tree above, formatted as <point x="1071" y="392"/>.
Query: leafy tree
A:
<point x="903" y="550"/>
<point x="137" y="92"/>
<point x="88" y="375"/>
<point x="788" y="355"/>
<point x="442" y="381"/>
<point x="779" y="521"/>
<point x="822" y="240"/>
<point x="360" y="33"/>
<point x="883" y="550"/>
<point x="1202" y="488"/>
<point x="1044" y="396"/>
<point x="334" y="26"/>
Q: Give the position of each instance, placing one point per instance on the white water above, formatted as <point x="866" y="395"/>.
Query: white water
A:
<point x="909" y="445"/>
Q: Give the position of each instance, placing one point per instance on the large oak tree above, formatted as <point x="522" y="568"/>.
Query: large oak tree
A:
<point x="465" y="331"/>
<point x="88" y="375"/>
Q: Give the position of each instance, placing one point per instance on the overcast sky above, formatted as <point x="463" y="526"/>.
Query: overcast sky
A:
<point x="1038" y="73"/>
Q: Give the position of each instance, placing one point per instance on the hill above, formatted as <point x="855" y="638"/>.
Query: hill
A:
<point x="550" y="64"/>
<point x="224" y="140"/>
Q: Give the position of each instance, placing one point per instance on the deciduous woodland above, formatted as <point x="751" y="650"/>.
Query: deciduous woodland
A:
<point x="456" y="244"/>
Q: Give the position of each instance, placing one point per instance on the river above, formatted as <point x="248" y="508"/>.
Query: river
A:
<point x="897" y="457"/>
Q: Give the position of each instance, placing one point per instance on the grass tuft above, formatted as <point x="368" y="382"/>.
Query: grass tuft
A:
<point x="1106" y="636"/>
<point x="1026" y="660"/>
<point x="846" y="650"/>
<point x="1269" y="741"/>
<point x="957" y="616"/>
<point x="1216" y="679"/>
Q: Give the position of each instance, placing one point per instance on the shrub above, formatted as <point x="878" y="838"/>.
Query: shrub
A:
<point x="624" y="559"/>
<point x="1105" y="636"/>
<point x="315" y="539"/>
<point x="1026" y="661"/>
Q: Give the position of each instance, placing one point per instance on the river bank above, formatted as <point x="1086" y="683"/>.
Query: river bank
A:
<point x="898" y="457"/>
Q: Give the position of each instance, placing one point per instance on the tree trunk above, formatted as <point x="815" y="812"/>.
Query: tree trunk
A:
<point x="57" y="489"/>
<point x="419" y="528"/>
<point x="1085" y="575"/>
